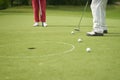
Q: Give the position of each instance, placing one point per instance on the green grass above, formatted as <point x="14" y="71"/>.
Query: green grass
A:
<point x="57" y="55"/>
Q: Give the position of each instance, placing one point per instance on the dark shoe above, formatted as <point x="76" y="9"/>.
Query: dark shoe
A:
<point x="44" y="24"/>
<point x="105" y="31"/>
<point x="94" y="34"/>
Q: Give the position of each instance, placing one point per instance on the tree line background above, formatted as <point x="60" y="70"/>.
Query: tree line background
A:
<point x="11" y="3"/>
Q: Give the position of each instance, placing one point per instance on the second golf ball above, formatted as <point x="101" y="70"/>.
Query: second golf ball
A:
<point x="88" y="49"/>
<point x="72" y="32"/>
<point x="79" y="40"/>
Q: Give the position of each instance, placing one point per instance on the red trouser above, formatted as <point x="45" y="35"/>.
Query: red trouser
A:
<point x="39" y="9"/>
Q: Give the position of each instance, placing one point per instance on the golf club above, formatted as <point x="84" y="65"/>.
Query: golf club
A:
<point x="78" y="26"/>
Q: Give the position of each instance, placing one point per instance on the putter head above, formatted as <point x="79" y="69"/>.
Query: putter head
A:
<point x="77" y="29"/>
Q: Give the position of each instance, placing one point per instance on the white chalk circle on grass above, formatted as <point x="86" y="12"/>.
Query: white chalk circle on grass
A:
<point x="35" y="50"/>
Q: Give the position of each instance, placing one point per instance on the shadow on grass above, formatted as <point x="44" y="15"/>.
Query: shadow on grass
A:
<point x="62" y="25"/>
<point x="113" y="34"/>
<point x="74" y="26"/>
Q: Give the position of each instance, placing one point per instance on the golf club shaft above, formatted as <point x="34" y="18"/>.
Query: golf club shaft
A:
<point x="82" y="14"/>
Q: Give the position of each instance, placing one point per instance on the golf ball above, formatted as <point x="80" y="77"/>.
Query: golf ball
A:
<point x="72" y="32"/>
<point x="79" y="40"/>
<point x="88" y="49"/>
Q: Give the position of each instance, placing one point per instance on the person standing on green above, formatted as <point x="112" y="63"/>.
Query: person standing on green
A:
<point x="39" y="9"/>
<point x="98" y="8"/>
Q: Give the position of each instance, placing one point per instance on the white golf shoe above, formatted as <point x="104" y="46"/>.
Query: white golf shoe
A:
<point x="36" y="24"/>
<point x="44" y="24"/>
<point x="92" y="33"/>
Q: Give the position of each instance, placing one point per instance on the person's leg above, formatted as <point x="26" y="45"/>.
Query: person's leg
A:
<point x="35" y="6"/>
<point x="104" y="17"/>
<point x="98" y="11"/>
<point x="43" y="12"/>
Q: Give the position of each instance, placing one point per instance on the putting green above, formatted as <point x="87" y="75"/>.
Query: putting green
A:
<point x="53" y="53"/>
<point x="35" y="49"/>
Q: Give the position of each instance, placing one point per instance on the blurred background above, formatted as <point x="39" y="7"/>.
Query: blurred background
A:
<point x="12" y="3"/>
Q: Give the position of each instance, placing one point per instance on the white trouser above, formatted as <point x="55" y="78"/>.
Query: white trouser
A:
<point x="98" y="8"/>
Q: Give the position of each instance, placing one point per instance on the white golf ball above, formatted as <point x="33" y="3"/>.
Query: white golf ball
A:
<point x="72" y="32"/>
<point x="79" y="40"/>
<point x="88" y="49"/>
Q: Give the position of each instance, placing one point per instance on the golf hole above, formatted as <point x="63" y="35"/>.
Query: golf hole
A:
<point x="31" y="48"/>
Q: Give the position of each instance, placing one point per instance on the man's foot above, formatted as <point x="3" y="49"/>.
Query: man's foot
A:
<point x="94" y="34"/>
<point x="36" y="24"/>
<point x="105" y="31"/>
<point x="44" y="24"/>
